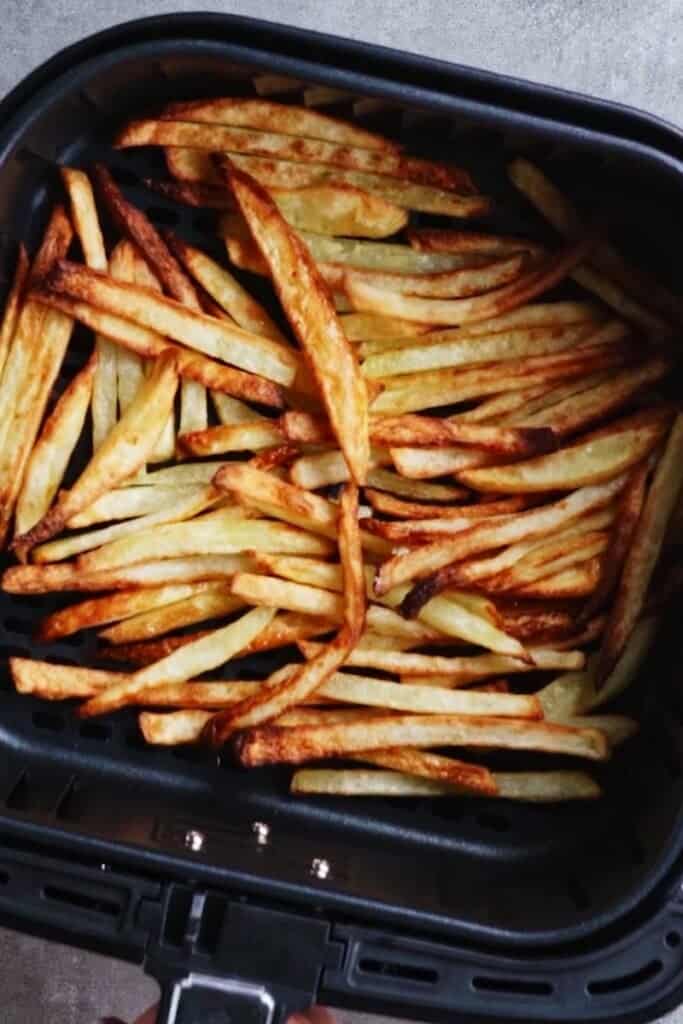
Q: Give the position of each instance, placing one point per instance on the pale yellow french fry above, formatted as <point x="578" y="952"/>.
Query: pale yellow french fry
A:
<point x="10" y="316"/>
<point x="53" y="449"/>
<point x="213" y="602"/>
<point x="128" y="502"/>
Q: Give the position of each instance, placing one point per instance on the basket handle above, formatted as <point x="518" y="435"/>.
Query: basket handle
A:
<point x="208" y="999"/>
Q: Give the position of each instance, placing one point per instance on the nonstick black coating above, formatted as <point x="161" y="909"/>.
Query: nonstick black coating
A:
<point x="499" y="873"/>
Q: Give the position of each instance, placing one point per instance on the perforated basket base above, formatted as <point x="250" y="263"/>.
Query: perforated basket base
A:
<point x="505" y="875"/>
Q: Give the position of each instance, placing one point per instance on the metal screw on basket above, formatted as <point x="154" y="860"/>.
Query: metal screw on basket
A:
<point x="194" y="840"/>
<point x="320" y="868"/>
<point x="261" y="831"/>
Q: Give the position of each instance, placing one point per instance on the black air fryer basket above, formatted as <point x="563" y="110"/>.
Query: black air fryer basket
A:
<point x="238" y="898"/>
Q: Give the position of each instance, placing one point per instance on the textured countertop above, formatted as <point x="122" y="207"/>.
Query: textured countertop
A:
<point x="622" y="51"/>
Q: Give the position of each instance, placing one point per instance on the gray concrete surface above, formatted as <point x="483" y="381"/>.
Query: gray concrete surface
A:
<point x="625" y="51"/>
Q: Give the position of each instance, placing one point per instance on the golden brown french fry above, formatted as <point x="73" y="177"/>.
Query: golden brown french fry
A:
<point x="115" y="607"/>
<point x="147" y="343"/>
<point x="190" y="327"/>
<point x="225" y="532"/>
<point x="366" y="326"/>
<point x="86" y="222"/>
<point x="644" y="550"/>
<point x="119" y="456"/>
<point x="189" y="503"/>
<point x="271" y="743"/>
<point x="274" y="145"/>
<point x="308" y="307"/>
<point x="10" y="316"/>
<point x="527" y="622"/>
<point x="46" y="579"/>
<point x="574" y="550"/>
<point x="53" y="449"/>
<point x="338" y="209"/>
<point x="286" y="501"/>
<point x="212" y="650"/>
<point x="59" y="682"/>
<point x="431" y="700"/>
<point x="487" y="535"/>
<point x="389" y="505"/>
<point x="277" y="694"/>
<point x="432" y="432"/>
<point x="366" y="298"/>
<point x="197" y="165"/>
<point x="267" y="116"/>
<point x="578" y="581"/>
<point x="296" y="597"/>
<point x="271" y="85"/>
<point x="449" y="240"/>
<point x="213" y="602"/>
<point x="450" y="284"/>
<point x="236" y="437"/>
<point x="426" y="765"/>
<point x="225" y="289"/>
<point x="599" y="456"/>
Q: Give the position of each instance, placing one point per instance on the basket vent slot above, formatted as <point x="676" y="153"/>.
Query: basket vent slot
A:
<point x="392" y="969"/>
<point x="49" y="720"/>
<point x="177" y="913"/>
<point x="18" y="797"/>
<point x="607" y="986"/>
<point x="211" y="924"/>
<point x="163" y="215"/>
<point x="493" y="822"/>
<point x="95" y="731"/>
<point x="511" y="986"/>
<point x="96" y="904"/>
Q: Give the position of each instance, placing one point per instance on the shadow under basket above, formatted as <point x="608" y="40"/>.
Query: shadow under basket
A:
<point x="177" y="859"/>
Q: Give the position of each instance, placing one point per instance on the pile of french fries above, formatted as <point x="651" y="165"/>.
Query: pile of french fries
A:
<point x="442" y="489"/>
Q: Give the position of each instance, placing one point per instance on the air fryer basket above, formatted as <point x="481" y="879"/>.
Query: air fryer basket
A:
<point x="479" y="907"/>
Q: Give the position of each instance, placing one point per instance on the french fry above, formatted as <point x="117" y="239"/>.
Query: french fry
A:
<point x="599" y="456"/>
<point x="386" y="480"/>
<point x="59" y="682"/>
<point x="113" y="608"/>
<point x="147" y="343"/>
<point x="450" y="284"/>
<point x="270" y="85"/>
<point x="189" y="503"/>
<point x="426" y="765"/>
<point x="225" y="289"/>
<point x="457" y="347"/>
<point x="449" y="240"/>
<point x="47" y="579"/>
<point x="214" y="602"/>
<point x="278" y="695"/>
<point x="366" y="298"/>
<point x="10" y="316"/>
<point x="53" y="449"/>
<point x="197" y="166"/>
<point x="271" y="743"/>
<point x="286" y="501"/>
<point x="226" y="532"/>
<point x="273" y="145"/>
<point x="575" y="550"/>
<point x="322" y="469"/>
<point x="129" y="366"/>
<point x="486" y="535"/>
<point x="578" y="581"/>
<point x="212" y="650"/>
<point x="267" y="116"/>
<point x="389" y="505"/>
<point x="186" y="474"/>
<point x="546" y="787"/>
<point x="86" y="222"/>
<point x="309" y="571"/>
<point x="237" y="437"/>
<point x="529" y="622"/>
<point x="644" y="550"/>
<point x="196" y="330"/>
<point x="366" y="326"/>
<point x="296" y="597"/>
<point x="122" y="453"/>
<point x="310" y="312"/>
<point x="433" y="432"/>
<point x="338" y="209"/>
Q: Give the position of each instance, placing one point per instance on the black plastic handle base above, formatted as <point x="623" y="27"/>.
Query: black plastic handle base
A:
<point x="206" y="999"/>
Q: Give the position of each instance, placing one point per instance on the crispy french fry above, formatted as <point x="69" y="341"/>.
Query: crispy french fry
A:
<point x="366" y="326"/>
<point x="226" y="532"/>
<point x="433" y="766"/>
<point x="196" y="165"/>
<point x="644" y="550"/>
<point x="147" y="343"/>
<point x="127" y="502"/>
<point x="296" y="597"/>
<point x="273" y="145"/>
<point x="46" y="579"/>
<point x="488" y="535"/>
<point x="285" y="501"/>
<point x="389" y="505"/>
<point x="599" y="456"/>
<point x="53" y="449"/>
<point x="119" y="456"/>
<point x="367" y="298"/>
<point x="114" y="608"/>
<point x="271" y="743"/>
<point x="433" y="432"/>
<point x="212" y="650"/>
<point x="10" y="316"/>
<point x="310" y="312"/>
<point x="213" y="602"/>
<point x="267" y="116"/>
<point x="237" y="437"/>
<point x="59" y="682"/>
<point x="574" y="551"/>
<point x="450" y="284"/>
<point x="449" y="240"/>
